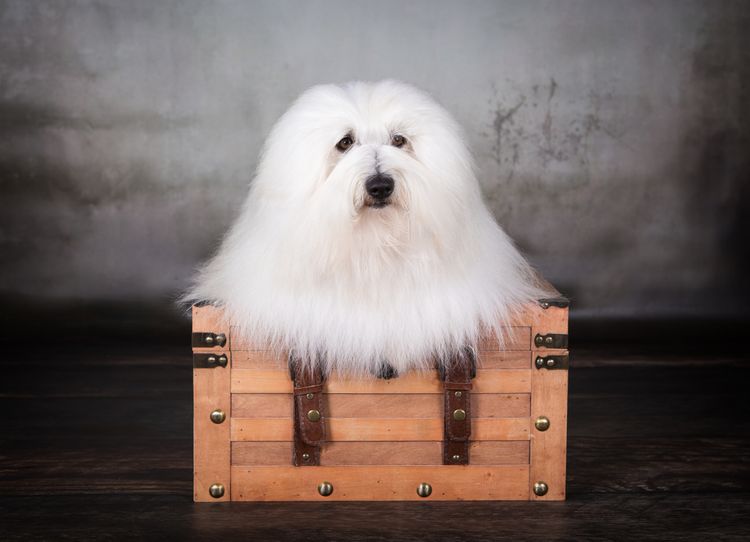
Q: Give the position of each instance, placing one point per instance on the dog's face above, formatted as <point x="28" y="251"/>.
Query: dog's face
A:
<point x="378" y="188"/>
<point x="371" y="153"/>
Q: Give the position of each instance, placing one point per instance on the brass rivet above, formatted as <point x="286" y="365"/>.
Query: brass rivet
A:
<point x="539" y="362"/>
<point x="305" y="456"/>
<point x="218" y="416"/>
<point x="216" y="491"/>
<point x="541" y="423"/>
<point x="551" y="362"/>
<point x="211" y="360"/>
<point x="325" y="489"/>
<point x="459" y="415"/>
<point x="209" y="340"/>
<point x="424" y="490"/>
<point x="221" y="339"/>
<point x="458" y="394"/>
<point x="548" y="341"/>
<point x="222" y="361"/>
<point x="456" y="457"/>
<point x="540" y="489"/>
<point x="539" y="340"/>
<point x="545" y="305"/>
<point x="310" y="395"/>
<point x="313" y="415"/>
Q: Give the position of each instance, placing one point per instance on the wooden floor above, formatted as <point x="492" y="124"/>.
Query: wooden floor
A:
<point x="96" y="444"/>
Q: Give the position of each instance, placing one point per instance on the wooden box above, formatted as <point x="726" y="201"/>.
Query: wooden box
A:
<point x="384" y="436"/>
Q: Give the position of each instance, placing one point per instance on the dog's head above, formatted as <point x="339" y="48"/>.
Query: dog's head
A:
<point x="364" y="237"/>
<point x="371" y="152"/>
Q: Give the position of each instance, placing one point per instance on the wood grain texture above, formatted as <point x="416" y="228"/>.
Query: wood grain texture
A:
<point x="209" y="318"/>
<point x="549" y="398"/>
<point x="551" y="320"/>
<point x="488" y="452"/>
<point x="373" y="429"/>
<point x="211" y="442"/>
<point x="381" y="483"/>
<point x="519" y="359"/>
<point x="349" y="405"/>
<point x="487" y="381"/>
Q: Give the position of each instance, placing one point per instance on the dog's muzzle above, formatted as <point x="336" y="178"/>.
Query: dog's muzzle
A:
<point x="379" y="188"/>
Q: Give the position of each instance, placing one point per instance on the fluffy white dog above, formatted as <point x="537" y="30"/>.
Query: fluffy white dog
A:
<point x="364" y="241"/>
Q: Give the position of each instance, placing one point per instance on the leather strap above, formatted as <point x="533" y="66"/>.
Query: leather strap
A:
<point x="457" y="375"/>
<point x="309" y="421"/>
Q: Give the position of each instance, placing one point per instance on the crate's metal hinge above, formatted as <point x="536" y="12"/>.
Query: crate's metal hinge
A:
<point x="560" y="302"/>
<point x="551" y="340"/>
<point x="208" y="339"/>
<point x="552" y="362"/>
<point x="209" y="361"/>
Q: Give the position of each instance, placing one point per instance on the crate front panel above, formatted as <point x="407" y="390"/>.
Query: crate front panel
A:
<point x="386" y="434"/>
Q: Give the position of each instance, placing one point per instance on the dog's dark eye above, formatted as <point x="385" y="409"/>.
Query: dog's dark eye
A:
<point x="398" y="141"/>
<point x="344" y="144"/>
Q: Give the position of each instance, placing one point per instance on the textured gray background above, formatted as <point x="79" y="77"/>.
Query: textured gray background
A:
<point x="611" y="137"/>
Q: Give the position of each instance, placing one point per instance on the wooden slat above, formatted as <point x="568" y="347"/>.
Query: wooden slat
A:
<point x="380" y="483"/>
<point x="517" y="338"/>
<point x="373" y="429"/>
<point x="262" y="405"/>
<point x="259" y="359"/>
<point x="211" y="444"/>
<point x="505" y="360"/>
<point x="487" y="381"/>
<point x="491" y="359"/>
<point x="347" y="405"/>
<point x="488" y="452"/>
<point x="550" y="398"/>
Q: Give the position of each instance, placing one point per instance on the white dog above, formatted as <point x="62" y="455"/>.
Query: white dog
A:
<point x="364" y="241"/>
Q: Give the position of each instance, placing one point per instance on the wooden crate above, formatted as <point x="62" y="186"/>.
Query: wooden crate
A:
<point x="385" y="436"/>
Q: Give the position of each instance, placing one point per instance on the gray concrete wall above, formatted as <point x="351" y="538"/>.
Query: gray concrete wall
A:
<point x="611" y="137"/>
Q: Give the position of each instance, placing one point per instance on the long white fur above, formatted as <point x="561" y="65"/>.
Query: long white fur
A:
<point x="308" y="267"/>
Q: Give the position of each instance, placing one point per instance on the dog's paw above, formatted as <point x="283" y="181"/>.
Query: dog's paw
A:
<point x="386" y="372"/>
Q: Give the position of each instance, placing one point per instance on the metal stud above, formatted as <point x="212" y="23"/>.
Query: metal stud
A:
<point x="458" y="394"/>
<point x="221" y="339"/>
<point x="549" y="341"/>
<point x="216" y="491"/>
<point x="313" y="415"/>
<point x="424" y="490"/>
<point x="539" y="361"/>
<point x="310" y="395"/>
<point x="459" y="415"/>
<point x="538" y="340"/>
<point x="305" y="457"/>
<point x="218" y="416"/>
<point x="325" y="489"/>
<point x="551" y="363"/>
<point x="540" y="489"/>
<point x="541" y="423"/>
<point x="209" y="340"/>
<point x="456" y="457"/>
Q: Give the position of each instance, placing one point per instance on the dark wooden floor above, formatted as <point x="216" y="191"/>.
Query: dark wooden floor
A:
<point x="96" y="444"/>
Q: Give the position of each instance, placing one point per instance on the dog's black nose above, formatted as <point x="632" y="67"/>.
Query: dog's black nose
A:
<point x="379" y="186"/>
